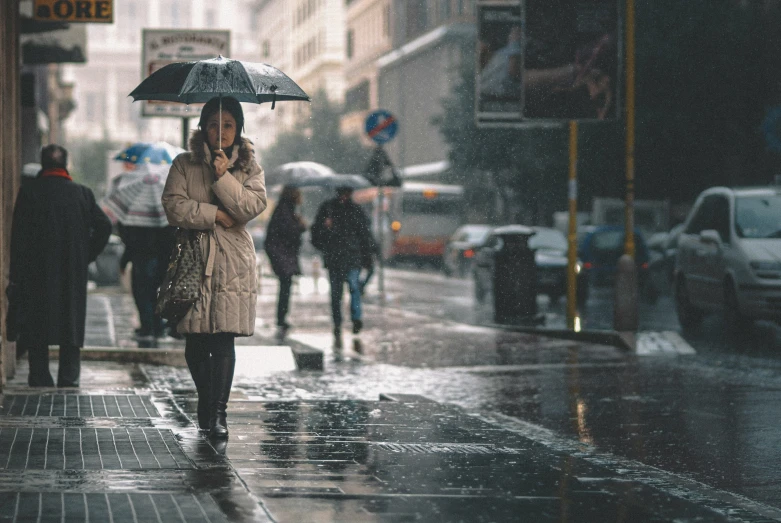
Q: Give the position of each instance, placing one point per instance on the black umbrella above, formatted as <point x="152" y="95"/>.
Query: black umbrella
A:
<point x="199" y="82"/>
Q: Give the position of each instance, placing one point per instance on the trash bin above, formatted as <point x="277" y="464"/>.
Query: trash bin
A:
<point x="515" y="278"/>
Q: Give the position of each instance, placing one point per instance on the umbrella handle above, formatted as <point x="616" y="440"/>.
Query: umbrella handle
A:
<point x="219" y="126"/>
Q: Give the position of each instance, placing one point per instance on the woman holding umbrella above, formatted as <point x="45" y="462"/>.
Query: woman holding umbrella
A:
<point x="218" y="187"/>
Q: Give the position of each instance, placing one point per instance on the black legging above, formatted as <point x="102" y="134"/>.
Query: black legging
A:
<point x="202" y="346"/>
<point x="283" y="302"/>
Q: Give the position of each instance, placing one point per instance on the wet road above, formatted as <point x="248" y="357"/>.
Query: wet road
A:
<point x="430" y="292"/>
<point x="708" y="418"/>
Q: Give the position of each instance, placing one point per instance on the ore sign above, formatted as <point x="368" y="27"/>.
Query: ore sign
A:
<point x="74" y="11"/>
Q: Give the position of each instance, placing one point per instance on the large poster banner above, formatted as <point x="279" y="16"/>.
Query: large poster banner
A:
<point x="164" y="46"/>
<point x="572" y="59"/>
<point x="498" y="85"/>
<point x="552" y="60"/>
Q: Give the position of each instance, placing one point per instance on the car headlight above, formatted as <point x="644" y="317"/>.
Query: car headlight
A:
<point x="766" y="265"/>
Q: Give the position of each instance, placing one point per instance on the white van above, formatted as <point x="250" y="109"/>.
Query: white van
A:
<point x="729" y="257"/>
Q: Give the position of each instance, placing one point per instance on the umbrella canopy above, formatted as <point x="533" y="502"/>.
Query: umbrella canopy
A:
<point x="298" y="172"/>
<point x="143" y="152"/>
<point x="134" y="197"/>
<point x="199" y="82"/>
<point x="332" y="181"/>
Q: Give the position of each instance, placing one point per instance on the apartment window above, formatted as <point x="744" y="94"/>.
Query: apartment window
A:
<point x="417" y="18"/>
<point x="444" y="9"/>
<point x="175" y="14"/>
<point x="266" y="49"/>
<point x="211" y="17"/>
<point x="350" y="44"/>
<point x="357" y="98"/>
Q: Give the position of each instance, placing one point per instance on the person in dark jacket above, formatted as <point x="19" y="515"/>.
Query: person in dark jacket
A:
<point x="57" y="230"/>
<point x="148" y="248"/>
<point x="282" y="244"/>
<point x="341" y="232"/>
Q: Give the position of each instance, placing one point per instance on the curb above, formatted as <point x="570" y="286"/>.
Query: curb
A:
<point x="613" y="338"/>
<point x="155" y="356"/>
<point x="305" y="358"/>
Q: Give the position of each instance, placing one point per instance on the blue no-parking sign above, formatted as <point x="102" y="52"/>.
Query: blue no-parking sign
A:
<point x="381" y="126"/>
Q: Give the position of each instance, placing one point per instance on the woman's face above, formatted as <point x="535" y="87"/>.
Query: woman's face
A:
<point x="228" y="130"/>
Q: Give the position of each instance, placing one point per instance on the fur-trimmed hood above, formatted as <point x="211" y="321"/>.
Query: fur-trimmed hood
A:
<point x="241" y="159"/>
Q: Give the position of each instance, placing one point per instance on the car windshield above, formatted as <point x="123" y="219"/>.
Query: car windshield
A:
<point x="476" y="235"/>
<point x="608" y="240"/>
<point x="758" y="216"/>
<point x="548" y="240"/>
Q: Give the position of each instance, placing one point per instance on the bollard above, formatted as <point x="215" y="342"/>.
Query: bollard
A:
<point x="625" y="319"/>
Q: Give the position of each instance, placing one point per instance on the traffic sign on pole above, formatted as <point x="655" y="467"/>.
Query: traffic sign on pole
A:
<point x="381" y="126"/>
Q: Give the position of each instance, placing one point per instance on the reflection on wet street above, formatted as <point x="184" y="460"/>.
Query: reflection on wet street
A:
<point x="488" y="423"/>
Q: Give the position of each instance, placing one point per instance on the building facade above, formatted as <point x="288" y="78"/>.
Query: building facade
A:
<point x="368" y="34"/>
<point x="318" y="49"/>
<point x="429" y="38"/>
<point x="273" y="20"/>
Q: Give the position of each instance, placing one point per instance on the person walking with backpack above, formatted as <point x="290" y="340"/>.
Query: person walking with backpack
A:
<point x="341" y="233"/>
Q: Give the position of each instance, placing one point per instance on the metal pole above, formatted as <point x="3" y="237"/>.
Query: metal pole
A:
<point x="572" y="237"/>
<point x="629" y="209"/>
<point x="185" y="132"/>
<point x="381" y="236"/>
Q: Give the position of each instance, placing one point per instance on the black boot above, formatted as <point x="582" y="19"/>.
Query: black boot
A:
<point x="200" y="370"/>
<point x="222" y="379"/>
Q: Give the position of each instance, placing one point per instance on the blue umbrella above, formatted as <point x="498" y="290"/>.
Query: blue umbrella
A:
<point x="157" y="153"/>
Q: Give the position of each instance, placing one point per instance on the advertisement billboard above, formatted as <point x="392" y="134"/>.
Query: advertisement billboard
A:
<point x="572" y="59"/>
<point x="498" y="84"/>
<point x="547" y="60"/>
<point x="164" y="46"/>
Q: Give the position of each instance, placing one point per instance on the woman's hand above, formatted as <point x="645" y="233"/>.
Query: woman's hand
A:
<point x="224" y="219"/>
<point x="220" y="163"/>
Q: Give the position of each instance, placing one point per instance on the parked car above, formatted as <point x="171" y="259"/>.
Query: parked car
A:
<point x="729" y="258"/>
<point x="460" y="249"/>
<point x="600" y="250"/>
<point x="550" y="257"/>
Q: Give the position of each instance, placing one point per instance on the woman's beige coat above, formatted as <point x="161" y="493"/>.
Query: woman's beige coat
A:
<point x="191" y="199"/>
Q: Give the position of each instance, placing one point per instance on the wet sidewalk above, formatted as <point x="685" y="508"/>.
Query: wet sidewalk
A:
<point x="124" y="448"/>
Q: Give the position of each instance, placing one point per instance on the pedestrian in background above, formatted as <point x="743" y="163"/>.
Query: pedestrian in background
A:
<point x="57" y="230"/>
<point x="282" y="245"/>
<point x="218" y="187"/>
<point x="147" y="249"/>
<point x="341" y="232"/>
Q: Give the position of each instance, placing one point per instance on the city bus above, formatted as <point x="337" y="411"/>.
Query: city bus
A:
<point x="419" y="220"/>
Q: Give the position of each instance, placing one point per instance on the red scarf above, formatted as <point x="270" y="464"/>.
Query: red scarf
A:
<point x="56" y="172"/>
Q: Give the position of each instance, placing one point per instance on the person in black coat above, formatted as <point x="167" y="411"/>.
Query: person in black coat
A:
<point x="57" y="230"/>
<point x="282" y="245"/>
<point x="341" y="232"/>
<point x="148" y="248"/>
